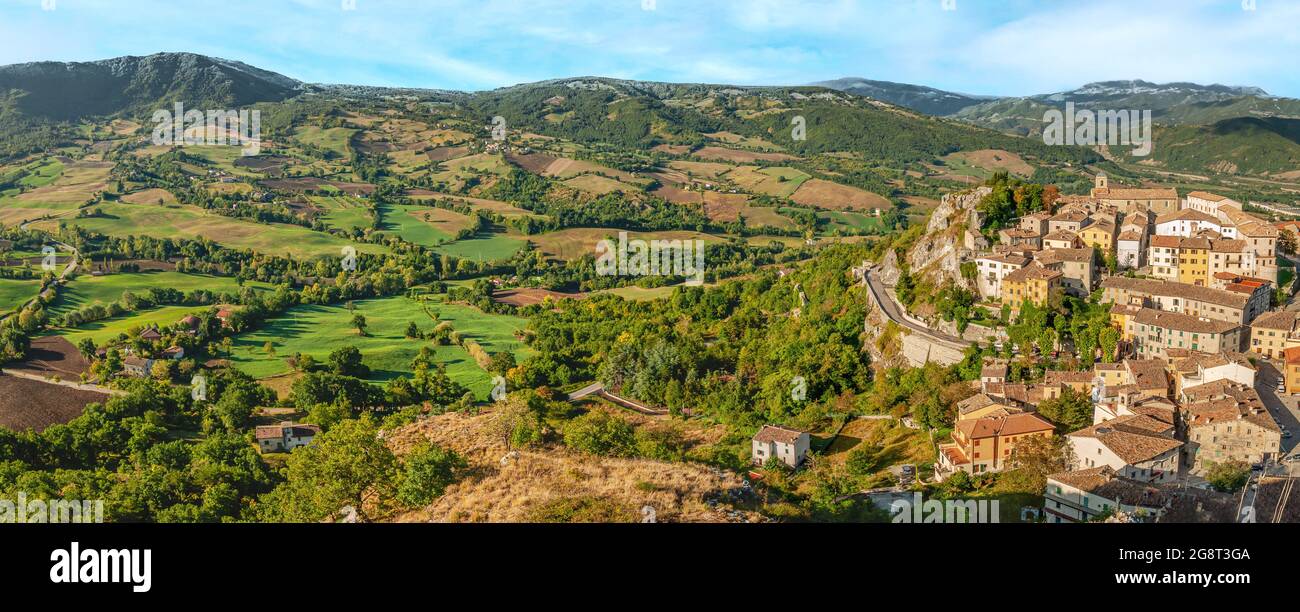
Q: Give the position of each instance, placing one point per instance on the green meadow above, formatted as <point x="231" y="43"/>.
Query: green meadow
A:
<point x="319" y="330"/>
<point x="344" y="212"/>
<point x="14" y="293"/>
<point x="101" y="332"/>
<point x="86" y="290"/>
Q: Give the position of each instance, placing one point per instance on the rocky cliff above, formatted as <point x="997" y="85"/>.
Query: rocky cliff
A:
<point x="951" y="237"/>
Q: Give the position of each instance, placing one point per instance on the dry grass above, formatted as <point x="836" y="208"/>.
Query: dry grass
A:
<point x="834" y="196"/>
<point x="150" y="196"/>
<point x="533" y="482"/>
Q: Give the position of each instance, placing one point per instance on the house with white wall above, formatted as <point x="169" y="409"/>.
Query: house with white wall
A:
<point x="784" y="444"/>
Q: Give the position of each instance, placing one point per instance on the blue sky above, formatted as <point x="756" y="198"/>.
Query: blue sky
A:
<point x="1003" y="47"/>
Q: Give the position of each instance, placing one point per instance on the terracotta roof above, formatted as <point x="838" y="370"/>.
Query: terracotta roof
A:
<point x="1207" y="196"/>
<point x="1136" y="194"/>
<point x="1292" y="355"/>
<point x="1051" y="256"/>
<point x="1130" y="235"/>
<point x="1181" y="322"/>
<point x="1194" y="361"/>
<point x="1008" y="425"/>
<point x="1066" y="235"/>
<point x="1187" y="214"/>
<point x="1147" y="374"/>
<point x="1134" y="439"/>
<point x="1278" y="319"/>
<point x="1032" y="272"/>
<point x="1239" y="404"/>
<point x="1104" y="482"/>
<point x="1056" y="377"/>
<point x="777" y="433"/>
<point x="1154" y="287"/>
<point x="266" y="432"/>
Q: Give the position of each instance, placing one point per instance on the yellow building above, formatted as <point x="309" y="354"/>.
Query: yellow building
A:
<point x="1291" y="374"/>
<point x="1194" y="262"/>
<point x="1033" y="283"/>
<point x="1100" y="235"/>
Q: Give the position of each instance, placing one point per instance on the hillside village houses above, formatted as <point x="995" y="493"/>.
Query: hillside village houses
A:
<point x="1193" y="319"/>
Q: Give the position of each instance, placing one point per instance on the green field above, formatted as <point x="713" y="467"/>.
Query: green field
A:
<point x="104" y="331"/>
<point x="318" y="330"/>
<point x="345" y="212"/>
<point x="14" y="293"/>
<point x="397" y="220"/>
<point x="494" y="247"/>
<point x="87" y="290"/>
<point x="332" y="139"/>
<point x="192" y="222"/>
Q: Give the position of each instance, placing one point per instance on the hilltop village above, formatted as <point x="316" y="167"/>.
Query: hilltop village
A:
<point x="1194" y="368"/>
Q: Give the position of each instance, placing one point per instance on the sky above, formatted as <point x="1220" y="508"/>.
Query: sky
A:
<point x="993" y="47"/>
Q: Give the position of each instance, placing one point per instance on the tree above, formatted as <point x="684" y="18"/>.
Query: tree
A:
<point x="359" y="322"/>
<point x="427" y="472"/>
<point x="1286" y="242"/>
<point x="347" y="361"/>
<point x="1040" y="457"/>
<point x="346" y="466"/>
<point x="518" y="423"/>
<point x="1228" y="476"/>
<point x="412" y="331"/>
<point x="1071" y="411"/>
<point x="599" y="433"/>
<point x="502" y="363"/>
<point x="269" y="349"/>
<point x="86" y="347"/>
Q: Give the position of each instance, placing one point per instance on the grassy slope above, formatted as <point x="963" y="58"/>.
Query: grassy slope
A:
<point x="318" y="330"/>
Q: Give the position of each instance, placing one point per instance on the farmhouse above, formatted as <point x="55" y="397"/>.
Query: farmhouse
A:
<point x="784" y="444"/>
<point x="284" y="437"/>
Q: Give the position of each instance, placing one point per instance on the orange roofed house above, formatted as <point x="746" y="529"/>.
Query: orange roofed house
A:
<point x="984" y="444"/>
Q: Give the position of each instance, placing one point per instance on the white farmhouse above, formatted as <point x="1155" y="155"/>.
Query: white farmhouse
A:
<point x="781" y="443"/>
<point x="284" y="437"/>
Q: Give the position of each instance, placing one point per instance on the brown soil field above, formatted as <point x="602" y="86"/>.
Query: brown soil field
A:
<point x="677" y="195"/>
<point x="724" y="206"/>
<point x="53" y="356"/>
<point x="263" y="163"/>
<point x="672" y="149"/>
<point x="442" y="154"/>
<point x="735" y="155"/>
<point x="528" y="297"/>
<point x="536" y="163"/>
<point x="515" y="487"/>
<point x="28" y="404"/>
<point x="834" y="196"/>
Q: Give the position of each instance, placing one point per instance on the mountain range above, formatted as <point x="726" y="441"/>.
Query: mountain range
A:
<point x="1242" y="128"/>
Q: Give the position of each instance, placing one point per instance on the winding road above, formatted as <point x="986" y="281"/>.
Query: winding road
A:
<point x="895" y="312"/>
